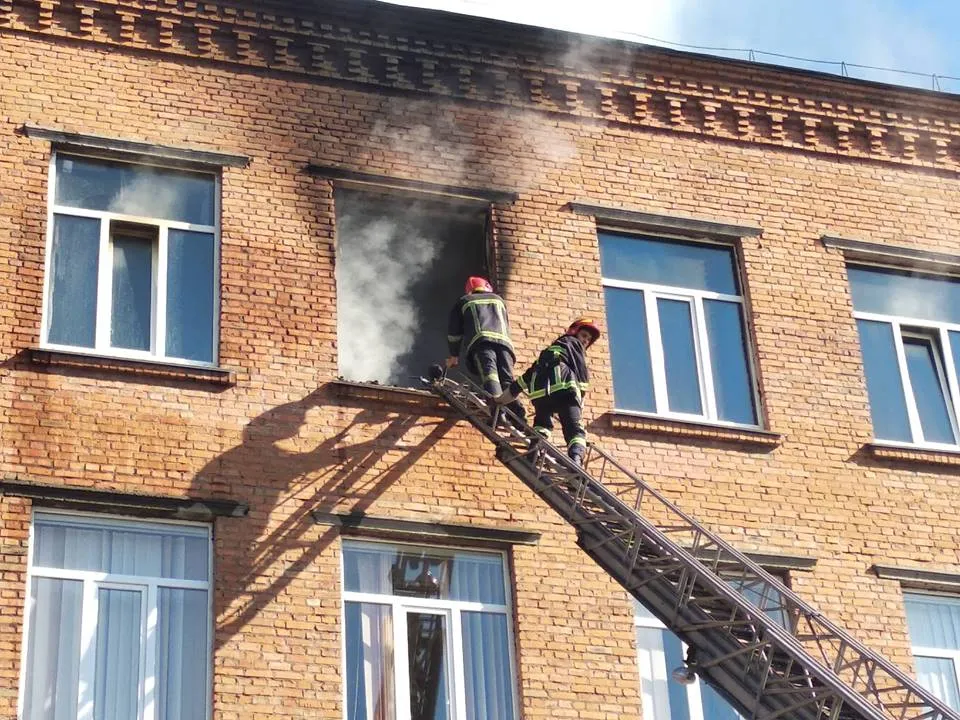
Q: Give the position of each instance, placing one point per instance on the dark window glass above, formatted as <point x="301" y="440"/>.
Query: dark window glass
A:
<point x="888" y="407"/>
<point x="679" y="356"/>
<point x="73" y="281"/>
<point x="190" y="295"/>
<point x="629" y="350"/>
<point x="683" y="265"/>
<point x="928" y="388"/>
<point x="728" y="359"/>
<point x="471" y="577"/>
<point x="905" y="294"/>
<point x="428" y="661"/>
<point x="132" y="304"/>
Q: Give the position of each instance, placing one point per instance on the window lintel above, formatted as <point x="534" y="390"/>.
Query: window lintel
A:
<point x="74" y="498"/>
<point x="361" y="525"/>
<point x="894" y="255"/>
<point x="370" y="181"/>
<point x="915" y="578"/>
<point x="134" y="150"/>
<point x="655" y="222"/>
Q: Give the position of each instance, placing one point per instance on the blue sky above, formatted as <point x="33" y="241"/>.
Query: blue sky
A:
<point x="910" y="35"/>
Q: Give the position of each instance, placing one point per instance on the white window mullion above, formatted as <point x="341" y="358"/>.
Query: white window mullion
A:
<point x="703" y="358"/>
<point x="148" y="677"/>
<point x="401" y="657"/>
<point x="459" y="685"/>
<point x="916" y="430"/>
<point x="694" y="694"/>
<point x="88" y="650"/>
<point x="104" y="287"/>
<point x="656" y="353"/>
<point x="159" y="307"/>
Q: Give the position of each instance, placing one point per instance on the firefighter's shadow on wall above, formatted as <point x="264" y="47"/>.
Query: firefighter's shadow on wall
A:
<point x="322" y="452"/>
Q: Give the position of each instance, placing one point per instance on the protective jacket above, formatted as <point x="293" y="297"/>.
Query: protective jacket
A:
<point x="561" y="367"/>
<point x="478" y="316"/>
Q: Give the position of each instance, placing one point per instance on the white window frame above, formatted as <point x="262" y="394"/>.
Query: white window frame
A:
<point x="659" y="673"/>
<point x="401" y="605"/>
<point x="92" y="583"/>
<point x="940" y="653"/>
<point x="651" y="293"/>
<point x="939" y="333"/>
<point x="158" y="330"/>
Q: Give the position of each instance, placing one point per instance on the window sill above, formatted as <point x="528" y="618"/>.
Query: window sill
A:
<point x="760" y="439"/>
<point x="389" y="394"/>
<point x="139" y="368"/>
<point x="906" y="453"/>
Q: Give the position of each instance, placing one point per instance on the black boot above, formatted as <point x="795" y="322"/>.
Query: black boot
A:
<point x="576" y="455"/>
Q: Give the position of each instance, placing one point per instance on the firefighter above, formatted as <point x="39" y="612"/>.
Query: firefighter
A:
<point x="479" y="329"/>
<point x="556" y="383"/>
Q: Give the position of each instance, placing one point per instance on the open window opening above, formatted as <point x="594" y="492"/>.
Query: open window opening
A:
<point x="402" y="259"/>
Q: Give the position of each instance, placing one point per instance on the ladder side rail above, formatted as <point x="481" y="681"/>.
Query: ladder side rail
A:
<point x="820" y="627"/>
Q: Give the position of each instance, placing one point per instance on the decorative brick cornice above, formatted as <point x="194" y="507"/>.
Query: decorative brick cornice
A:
<point x="627" y="86"/>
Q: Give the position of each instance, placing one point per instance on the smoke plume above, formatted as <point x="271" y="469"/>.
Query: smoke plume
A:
<point x="378" y="263"/>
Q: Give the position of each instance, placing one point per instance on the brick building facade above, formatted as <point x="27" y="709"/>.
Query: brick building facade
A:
<point x="550" y="145"/>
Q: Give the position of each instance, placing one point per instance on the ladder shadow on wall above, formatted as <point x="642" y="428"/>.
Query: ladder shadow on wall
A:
<point x="294" y="460"/>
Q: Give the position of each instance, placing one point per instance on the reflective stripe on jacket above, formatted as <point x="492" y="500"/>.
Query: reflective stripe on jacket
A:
<point x="561" y="366"/>
<point x="475" y="317"/>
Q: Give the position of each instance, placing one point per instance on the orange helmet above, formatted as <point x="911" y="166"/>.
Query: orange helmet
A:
<point x="585" y="324"/>
<point x="477" y="284"/>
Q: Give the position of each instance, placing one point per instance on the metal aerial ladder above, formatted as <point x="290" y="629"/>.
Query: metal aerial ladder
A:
<point x="749" y="636"/>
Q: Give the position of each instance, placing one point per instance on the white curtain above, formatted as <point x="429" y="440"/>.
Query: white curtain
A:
<point x="182" y="654"/>
<point x="54" y="652"/>
<point x="934" y="625"/>
<point x="370" y="662"/>
<point x="486" y="665"/>
<point x="119" y="631"/>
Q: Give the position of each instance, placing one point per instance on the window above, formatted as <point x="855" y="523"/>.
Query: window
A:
<point x="132" y="261"/>
<point x="118" y="620"/>
<point x="675" y="316"/>
<point x="659" y="652"/>
<point x="934" y="624"/>
<point x="427" y="634"/>
<point x="909" y="327"/>
<point x="401" y="265"/>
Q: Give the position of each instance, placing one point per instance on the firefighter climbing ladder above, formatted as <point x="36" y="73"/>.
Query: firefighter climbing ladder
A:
<point x="749" y="636"/>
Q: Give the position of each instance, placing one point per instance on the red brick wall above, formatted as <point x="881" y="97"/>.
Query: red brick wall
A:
<point x="282" y="440"/>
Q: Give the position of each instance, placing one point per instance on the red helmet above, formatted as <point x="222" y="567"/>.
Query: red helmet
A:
<point x="477" y="284"/>
<point x="585" y="324"/>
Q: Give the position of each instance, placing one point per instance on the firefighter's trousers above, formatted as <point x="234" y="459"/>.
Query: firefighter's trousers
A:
<point x="566" y="406"/>
<point x="493" y="363"/>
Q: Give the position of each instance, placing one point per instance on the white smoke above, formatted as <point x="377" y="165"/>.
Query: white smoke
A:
<point x="146" y="196"/>
<point x="378" y="264"/>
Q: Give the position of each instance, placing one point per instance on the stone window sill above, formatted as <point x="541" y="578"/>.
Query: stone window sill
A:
<point x="139" y="368"/>
<point x="411" y="398"/>
<point x="917" y="455"/>
<point x="757" y="439"/>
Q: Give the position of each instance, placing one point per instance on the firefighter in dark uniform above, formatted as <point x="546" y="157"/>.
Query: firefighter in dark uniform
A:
<point x="479" y="328"/>
<point x="557" y="382"/>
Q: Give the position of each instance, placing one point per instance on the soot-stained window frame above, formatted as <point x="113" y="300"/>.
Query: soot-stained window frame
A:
<point x="390" y="188"/>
